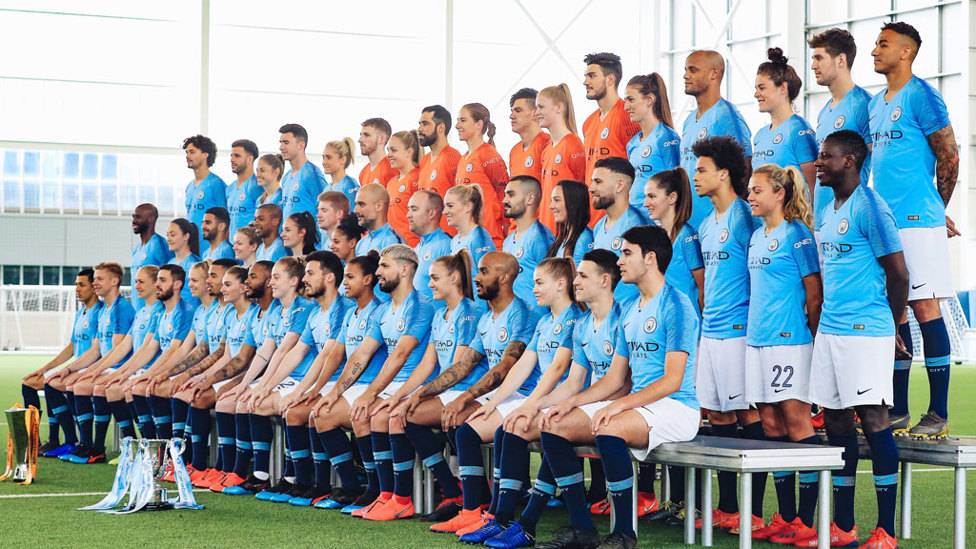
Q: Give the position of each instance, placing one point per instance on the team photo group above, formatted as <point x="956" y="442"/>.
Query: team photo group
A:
<point x="618" y="285"/>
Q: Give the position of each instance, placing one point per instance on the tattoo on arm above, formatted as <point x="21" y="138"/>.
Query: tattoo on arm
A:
<point x="943" y="144"/>
<point x="231" y="369"/>
<point x="489" y="381"/>
<point x="207" y="362"/>
<point x="356" y="369"/>
<point x="495" y="376"/>
<point x="515" y="349"/>
<point x="196" y="355"/>
<point x="450" y="377"/>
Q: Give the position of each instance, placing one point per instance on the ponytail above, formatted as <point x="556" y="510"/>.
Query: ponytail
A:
<point x="345" y="148"/>
<point x="410" y="140"/>
<point x="676" y="181"/>
<point x="275" y="162"/>
<point x="186" y="227"/>
<point x="479" y="113"/>
<point x="460" y="264"/>
<point x="564" y="268"/>
<point x="470" y="194"/>
<point x="561" y="94"/>
<point x="368" y="264"/>
<point x="796" y="204"/>
<point x="653" y="84"/>
<point x="307" y="222"/>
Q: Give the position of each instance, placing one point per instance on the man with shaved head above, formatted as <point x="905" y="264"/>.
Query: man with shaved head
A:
<point x="152" y="248"/>
<point x="530" y="240"/>
<point x="423" y="218"/>
<point x="503" y="333"/>
<point x="714" y="115"/>
<point x="372" y="209"/>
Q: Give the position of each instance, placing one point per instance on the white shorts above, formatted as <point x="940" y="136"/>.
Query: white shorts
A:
<point x="326" y="389"/>
<point x="720" y="379"/>
<point x="137" y="373"/>
<point x="51" y="372"/>
<point x="778" y="372"/>
<point x="849" y="370"/>
<point x="511" y="403"/>
<point x="216" y="386"/>
<point x="667" y="421"/>
<point x="357" y="390"/>
<point x="927" y="256"/>
<point x="287" y="386"/>
<point x="448" y="397"/>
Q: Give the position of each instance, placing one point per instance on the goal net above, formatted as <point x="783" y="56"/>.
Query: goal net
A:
<point x="36" y="319"/>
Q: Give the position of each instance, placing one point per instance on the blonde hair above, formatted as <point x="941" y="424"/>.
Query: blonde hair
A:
<point x="150" y="270"/>
<point x="564" y="268"/>
<point x="479" y="113"/>
<point x="470" y="194"/>
<point x="561" y="94"/>
<point x="344" y="147"/>
<point x="401" y="253"/>
<point x="410" y="140"/>
<point x="796" y="204"/>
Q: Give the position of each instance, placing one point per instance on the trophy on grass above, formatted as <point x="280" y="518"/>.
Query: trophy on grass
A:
<point x="142" y="463"/>
<point x="22" y="444"/>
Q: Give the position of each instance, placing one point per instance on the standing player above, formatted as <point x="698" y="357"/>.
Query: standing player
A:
<point x="438" y="168"/>
<point x="303" y="182"/>
<point x="424" y="216"/>
<point x="373" y="136"/>
<point x="720" y="370"/>
<point x="152" y="248"/>
<point x="333" y="207"/>
<point x="655" y="348"/>
<point x="564" y="157"/>
<point x="570" y="206"/>
<point x="336" y="159"/>
<point x="833" y="57"/>
<point x="182" y="240"/>
<point x="713" y="116"/>
<point x="463" y="205"/>
<point x="788" y="140"/>
<point x="856" y="341"/>
<point x="607" y="131"/>
<point x="482" y="165"/>
<point x="215" y="232"/>
<point x="372" y="209"/>
<point x="300" y="234"/>
<point x="525" y="157"/>
<point x="404" y="153"/>
<point x="610" y="192"/>
<point x="267" y="221"/>
<point x="242" y="195"/>
<point x="657" y="147"/>
<point x="529" y="240"/>
<point x="270" y="168"/>
<point x="914" y="144"/>
<point x="84" y="332"/>
<point x="784" y="310"/>
<point x="206" y="190"/>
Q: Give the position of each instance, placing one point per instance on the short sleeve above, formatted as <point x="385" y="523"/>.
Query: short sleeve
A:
<point x="307" y="337"/>
<point x="300" y="319"/>
<point x="670" y="151"/>
<point x="579" y="356"/>
<point x="373" y="324"/>
<point x="466" y="328"/>
<point x="477" y="343"/>
<point x="805" y="144"/>
<point x="620" y="339"/>
<point x="861" y="114"/>
<point x="734" y="125"/>
<point x="682" y="332"/>
<point x="566" y="336"/>
<point x="878" y="224"/>
<point x="690" y="247"/>
<point x="742" y="224"/>
<point x="184" y="323"/>
<point x="418" y="319"/>
<point x="534" y="342"/>
<point x="929" y="109"/>
<point x="804" y="251"/>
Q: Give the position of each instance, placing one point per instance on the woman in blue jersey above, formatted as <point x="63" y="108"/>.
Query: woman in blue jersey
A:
<point x="300" y="233"/>
<point x="336" y="159"/>
<point x="668" y="200"/>
<point x="245" y="246"/>
<point x="183" y="241"/>
<point x="788" y="140"/>
<point x="463" y="206"/>
<point x="657" y="146"/>
<point x="344" y="239"/>
<point x="269" y="172"/>
<point x="570" y="205"/>
<point x="784" y="311"/>
<point x="543" y="366"/>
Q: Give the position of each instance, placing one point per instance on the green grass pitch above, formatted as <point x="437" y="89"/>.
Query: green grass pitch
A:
<point x="52" y="521"/>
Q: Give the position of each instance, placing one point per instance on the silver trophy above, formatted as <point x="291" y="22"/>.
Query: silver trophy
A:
<point x="22" y="444"/>
<point x="156" y="456"/>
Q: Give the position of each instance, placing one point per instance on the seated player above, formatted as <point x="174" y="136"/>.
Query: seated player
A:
<point x="593" y="338"/>
<point x="654" y="356"/>
<point x="84" y="335"/>
<point x="181" y="236"/>
<point x="543" y="367"/>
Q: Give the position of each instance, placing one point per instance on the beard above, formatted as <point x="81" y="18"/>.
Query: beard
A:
<point x="314" y="293"/>
<point x="165" y="295"/>
<point x="387" y="285"/>
<point x="425" y="140"/>
<point x="602" y="202"/>
<point x="256" y="293"/>
<point x="489" y="291"/>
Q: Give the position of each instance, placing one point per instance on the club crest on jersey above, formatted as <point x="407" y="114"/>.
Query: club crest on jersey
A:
<point x="724" y="236"/>
<point x="502" y="334"/>
<point x="469" y="167"/>
<point x="605" y="133"/>
<point x="650" y="325"/>
<point x="607" y="347"/>
<point x="433" y="175"/>
<point x="199" y="195"/>
<point x="773" y="246"/>
<point x="400" y="325"/>
<point x="296" y="186"/>
<point x="529" y="161"/>
<point x="896" y="114"/>
<point x="362" y="324"/>
<point x="702" y="133"/>
<point x="839" y="122"/>
<point x="327" y="330"/>
<point x="843" y="226"/>
<point x="85" y="325"/>
<point x="450" y="329"/>
<point x="403" y="188"/>
<point x="778" y="139"/>
<point x="615" y="243"/>
<point x="143" y="255"/>
<point x="427" y="255"/>
<point x="558" y="329"/>
<point x="519" y="253"/>
<point x="646" y="152"/>
<point x="559" y="158"/>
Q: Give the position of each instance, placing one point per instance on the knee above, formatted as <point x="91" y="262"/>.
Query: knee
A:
<point x="380" y="422"/>
<point x="873" y="418"/>
<point x="838" y="421"/>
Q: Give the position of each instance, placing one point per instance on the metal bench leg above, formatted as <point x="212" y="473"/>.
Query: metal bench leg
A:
<point x="823" y="510"/>
<point x="906" y="500"/>
<point x="689" y="505"/>
<point x="745" y="506"/>
<point x="633" y="494"/>
<point x="428" y="492"/>
<point x="706" y="507"/>
<point x="960" y="507"/>
<point x="418" y="481"/>
<point x="665" y="484"/>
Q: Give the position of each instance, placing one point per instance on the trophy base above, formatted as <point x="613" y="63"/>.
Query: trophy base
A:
<point x="20" y="473"/>
<point x="158" y="506"/>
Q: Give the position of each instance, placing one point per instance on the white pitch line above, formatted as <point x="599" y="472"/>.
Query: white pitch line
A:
<point x="17" y="496"/>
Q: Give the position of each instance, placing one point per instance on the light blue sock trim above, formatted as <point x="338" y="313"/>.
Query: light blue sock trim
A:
<point x="510" y="484"/>
<point x="103" y="419"/>
<point x="244" y="445"/>
<point x="144" y="419"/>
<point x="383" y="456"/>
<point x="496" y="473"/>
<point x="162" y="419"/>
<point x="545" y="487"/>
<point x="621" y="485"/>
<point x="259" y="446"/>
<point x="226" y="440"/>
<point x="52" y="420"/>
<point x="342" y="458"/>
<point x="809" y="478"/>
<point x="937" y="361"/>
<point x="783" y="474"/>
<point x="886" y="480"/>
<point x="195" y="438"/>
<point x="471" y="471"/>
<point x="843" y="481"/>
<point x="320" y="456"/>
<point x="903" y="364"/>
<point x="403" y="466"/>
<point x="301" y="454"/>
<point x="59" y="410"/>
<point x="433" y="460"/>
<point x="125" y="423"/>
<point x="181" y="426"/>
<point x="84" y="417"/>
<point x="563" y="482"/>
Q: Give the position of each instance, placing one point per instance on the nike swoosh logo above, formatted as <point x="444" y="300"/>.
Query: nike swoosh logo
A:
<point x="733" y="397"/>
<point x="400" y="512"/>
<point x="780" y="390"/>
<point x="860" y="392"/>
<point x="914" y="287"/>
<point x="482" y="334"/>
<point x="584" y="344"/>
